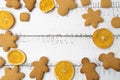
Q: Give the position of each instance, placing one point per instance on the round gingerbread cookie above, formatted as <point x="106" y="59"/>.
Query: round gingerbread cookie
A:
<point x="103" y="38"/>
<point x="115" y="22"/>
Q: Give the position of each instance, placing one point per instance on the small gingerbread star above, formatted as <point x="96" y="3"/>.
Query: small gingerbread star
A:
<point x="92" y="18"/>
<point x="12" y="74"/>
<point x="8" y="40"/>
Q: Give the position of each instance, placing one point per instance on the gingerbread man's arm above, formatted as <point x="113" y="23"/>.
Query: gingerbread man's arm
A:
<point x="35" y="63"/>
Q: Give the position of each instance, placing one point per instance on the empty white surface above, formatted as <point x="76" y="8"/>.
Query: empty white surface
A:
<point x="62" y="48"/>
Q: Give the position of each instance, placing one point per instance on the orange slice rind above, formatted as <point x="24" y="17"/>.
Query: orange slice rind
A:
<point x="103" y="38"/>
<point x="16" y="57"/>
<point x="46" y="5"/>
<point x="6" y="20"/>
<point x="64" y="70"/>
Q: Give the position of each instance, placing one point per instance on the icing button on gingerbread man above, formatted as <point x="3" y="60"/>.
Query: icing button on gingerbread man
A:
<point x="88" y="69"/>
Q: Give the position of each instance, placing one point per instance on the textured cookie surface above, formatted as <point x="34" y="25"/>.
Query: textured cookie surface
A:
<point x="24" y="17"/>
<point x="88" y="69"/>
<point x="13" y="3"/>
<point x="92" y="18"/>
<point x="12" y="74"/>
<point x="110" y="61"/>
<point x="85" y="2"/>
<point x="40" y="67"/>
<point x="8" y="40"/>
<point x="65" y="6"/>
<point x="115" y="22"/>
<point x="2" y="61"/>
<point x="106" y="3"/>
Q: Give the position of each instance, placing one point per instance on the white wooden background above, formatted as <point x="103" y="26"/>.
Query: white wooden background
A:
<point x="62" y="38"/>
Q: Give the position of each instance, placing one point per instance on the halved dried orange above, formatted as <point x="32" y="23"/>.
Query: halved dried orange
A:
<point x="103" y="38"/>
<point x="16" y="57"/>
<point x="46" y="5"/>
<point x="64" y="70"/>
<point x="6" y="20"/>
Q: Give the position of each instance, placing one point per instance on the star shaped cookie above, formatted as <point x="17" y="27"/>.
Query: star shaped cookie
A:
<point x="7" y="41"/>
<point x="92" y="18"/>
<point x="12" y="74"/>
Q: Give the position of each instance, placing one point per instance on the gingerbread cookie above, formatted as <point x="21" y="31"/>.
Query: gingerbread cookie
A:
<point x="29" y="4"/>
<point x="12" y="74"/>
<point x="40" y="67"/>
<point x="2" y="61"/>
<point x="8" y="40"/>
<point x="88" y="69"/>
<point x="115" y="22"/>
<point x="92" y="18"/>
<point x="24" y="17"/>
<point x="106" y="3"/>
<point x="6" y="20"/>
<point x="13" y="3"/>
<point x="103" y="38"/>
<point x="64" y="70"/>
<point x="85" y="2"/>
<point x="109" y="61"/>
<point x="65" y="6"/>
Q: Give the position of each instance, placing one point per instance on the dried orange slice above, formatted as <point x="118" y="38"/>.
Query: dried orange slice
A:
<point x="103" y="38"/>
<point x="46" y="5"/>
<point x="16" y="57"/>
<point x="64" y="70"/>
<point x="6" y="20"/>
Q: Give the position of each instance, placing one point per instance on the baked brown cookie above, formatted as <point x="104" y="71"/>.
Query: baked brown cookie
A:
<point x="110" y="61"/>
<point x="8" y="40"/>
<point x="12" y="74"/>
<point x="65" y="6"/>
<point x="92" y="18"/>
<point x="40" y="67"/>
<point x="88" y="69"/>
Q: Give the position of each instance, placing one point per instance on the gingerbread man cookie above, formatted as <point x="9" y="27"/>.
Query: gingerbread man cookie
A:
<point x="13" y="3"/>
<point x="40" y="67"/>
<point x="65" y="6"/>
<point x="109" y="61"/>
<point x="88" y="69"/>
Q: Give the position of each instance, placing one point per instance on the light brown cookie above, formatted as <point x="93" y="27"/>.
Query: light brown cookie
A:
<point x="92" y="18"/>
<point x="13" y="3"/>
<point x="40" y="67"/>
<point x="115" y="22"/>
<point x="85" y="2"/>
<point x="88" y="69"/>
<point x="106" y="3"/>
<point x="8" y="40"/>
<point x="2" y="62"/>
<point x="65" y="6"/>
<point x="24" y="17"/>
<point x="12" y="74"/>
<point x="29" y="4"/>
<point x="109" y="61"/>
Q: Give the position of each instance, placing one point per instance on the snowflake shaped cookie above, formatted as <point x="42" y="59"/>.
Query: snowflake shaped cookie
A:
<point x="92" y="18"/>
